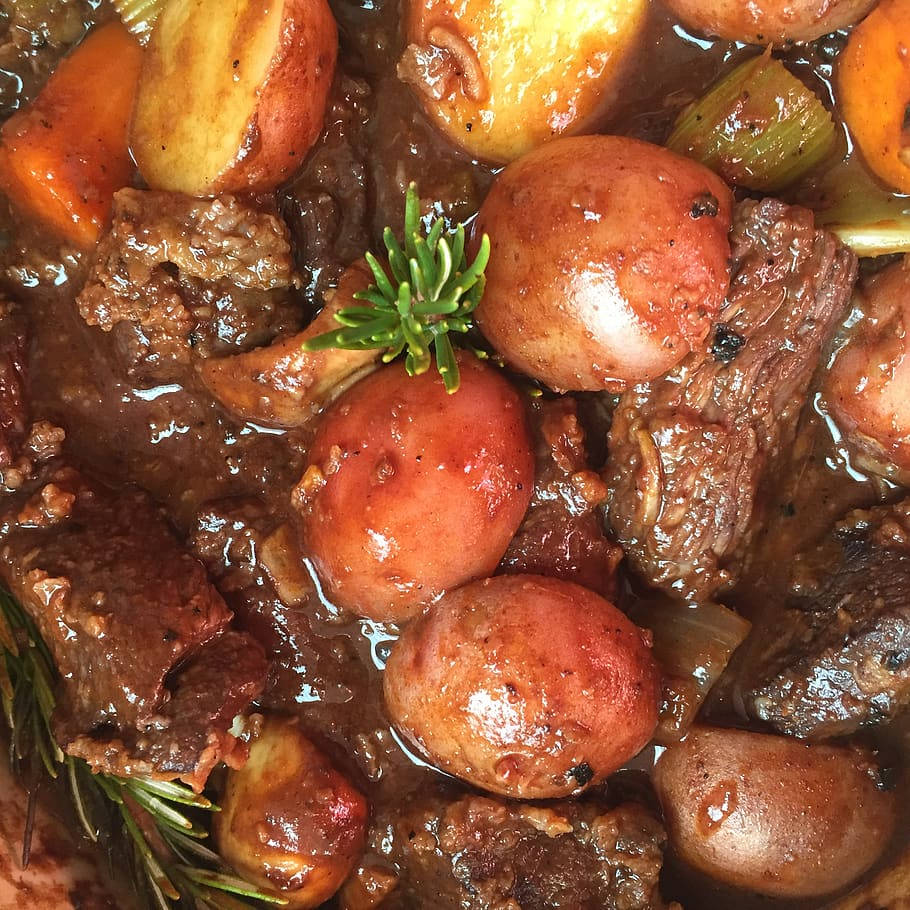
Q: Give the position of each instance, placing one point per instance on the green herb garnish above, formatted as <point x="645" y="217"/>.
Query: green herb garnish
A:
<point x="426" y="292"/>
<point x="178" y="869"/>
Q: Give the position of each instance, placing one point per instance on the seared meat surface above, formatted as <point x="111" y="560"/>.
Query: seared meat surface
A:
<point x="151" y="676"/>
<point x="839" y="655"/>
<point x="177" y="277"/>
<point x="476" y="853"/>
<point x="13" y="406"/>
<point x="689" y="451"/>
<point x="562" y="535"/>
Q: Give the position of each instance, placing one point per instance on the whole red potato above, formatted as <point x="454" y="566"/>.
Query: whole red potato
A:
<point x="772" y="814"/>
<point x="411" y="491"/>
<point x="610" y="261"/>
<point x="525" y="686"/>
<point x="868" y="387"/>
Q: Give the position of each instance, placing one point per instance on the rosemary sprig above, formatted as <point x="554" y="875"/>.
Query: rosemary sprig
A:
<point x="164" y="821"/>
<point x="423" y="293"/>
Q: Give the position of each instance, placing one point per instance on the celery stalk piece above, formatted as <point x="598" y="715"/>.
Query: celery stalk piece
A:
<point x="868" y="217"/>
<point x="759" y="127"/>
<point x="139" y="15"/>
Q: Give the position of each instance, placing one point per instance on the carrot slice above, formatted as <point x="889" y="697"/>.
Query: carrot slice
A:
<point x="873" y="74"/>
<point x="64" y="156"/>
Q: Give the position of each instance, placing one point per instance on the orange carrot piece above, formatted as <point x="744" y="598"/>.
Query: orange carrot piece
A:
<point x="64" y="156"/>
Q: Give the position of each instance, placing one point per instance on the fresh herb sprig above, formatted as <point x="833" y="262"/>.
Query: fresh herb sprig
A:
<point x="423" y="293"/>
<point x="163" y="820"/>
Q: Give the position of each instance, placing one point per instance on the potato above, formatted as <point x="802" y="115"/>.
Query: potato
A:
<point x="411" y="491"/>
<point x="773" y="815"/>
<point x="289" y="820"/>
<point x="232" y="93"/>
<point x="874" y="90"/>
<point x="610" y="261"/>
<point x="867" y="387"/>
<point x="525" y="686"/>
<point x="769" y="21"/>
<point x="500" y="77"/>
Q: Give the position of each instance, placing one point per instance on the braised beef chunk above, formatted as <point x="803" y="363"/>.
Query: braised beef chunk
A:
<point x="689" y="451"/>
<point x="476" y="853"/>
<point x="151" y="676"/>
<point x="13" y="408"/>
<point x="839" y="656"/>
<point x="178" y="277"/>
<point x="562" y="535"/>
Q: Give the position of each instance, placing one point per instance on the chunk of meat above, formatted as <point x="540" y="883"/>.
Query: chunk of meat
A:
<point x="476" y="853"/>
<point x="689" y="451"/>
<point x="562" y="535"/>
<point x="283" y="385"/>
<point x="178" y="277"/>
<point x="13" y="406"/>
<point x="839" y="656"/>
<point x="151" y="675"/>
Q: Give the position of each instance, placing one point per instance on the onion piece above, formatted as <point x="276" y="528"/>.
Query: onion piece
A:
<point x="759" y="127"/>
<point x="693" y="644"/>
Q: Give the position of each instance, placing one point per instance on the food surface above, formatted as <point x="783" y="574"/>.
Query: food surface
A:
<point x="454" y="454"/>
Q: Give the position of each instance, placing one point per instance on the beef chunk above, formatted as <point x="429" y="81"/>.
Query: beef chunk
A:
<point x="178" y="277"/>
<point x="689" y="451"/>
<point x="476" y="852"/>
<point x="563" y="535"/>
<point x="839" y="657"/>
<point x="151" y="675"/>
<point x="13" y="411"/>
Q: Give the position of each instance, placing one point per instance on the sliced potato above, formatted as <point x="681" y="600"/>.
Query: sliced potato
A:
<point x="500" y="77"/>
<point x="232" y="93"/>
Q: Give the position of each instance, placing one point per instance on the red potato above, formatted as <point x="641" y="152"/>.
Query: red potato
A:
<point x="610" y="261"/>
<point x="289" y="820"/>
<point x="525" y="686"/>
<point x="868" y="387"/>
<point x="412" y="491"/>
<point x="771" y="814"/>
<point x="769" y="21"/>
<point x="232" y="93"/>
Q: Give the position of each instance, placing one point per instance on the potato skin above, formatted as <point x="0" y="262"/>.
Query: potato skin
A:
<point x="867" y="387"/>
<point x="769" y="21"/>
<point x="412" y="491"/>
<point x="610" y="261"/>
<point x="525" y="686"/>
<point x="289" y="820"/>
<point x="501" y="77"/>
<point x="277" y="123"/>
<point x="771" y="814"/>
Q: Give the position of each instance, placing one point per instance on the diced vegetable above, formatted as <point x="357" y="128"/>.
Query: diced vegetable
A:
<point x="758" y="127"/>
<point x="873" y="74"/>
<point x="139" y="15"/>
<point x="871" y="220"/>
<point x="693" y="643"/>
<point x="63" y="158"/>
<point x="233" y="93"/>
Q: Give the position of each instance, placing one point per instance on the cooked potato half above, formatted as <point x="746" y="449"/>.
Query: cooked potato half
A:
<point x="771" y="814"/>
<point x="232" y="93"/>
<point x="610" y="261"/>
<point x="500" y="77"/>
<point x="526" y="686"/>
<point x="289" y="820"/>
<point x="769" y="21"/>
